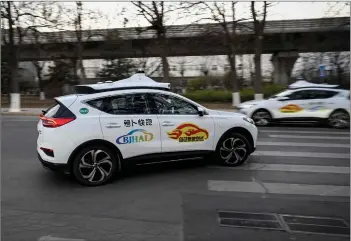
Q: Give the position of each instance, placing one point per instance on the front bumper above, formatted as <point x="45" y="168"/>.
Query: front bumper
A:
<point x="245" y="111"/>
<point x="55" y="167"/>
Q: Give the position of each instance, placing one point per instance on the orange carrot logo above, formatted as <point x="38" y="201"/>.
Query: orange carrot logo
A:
<point x="188" y="132"/>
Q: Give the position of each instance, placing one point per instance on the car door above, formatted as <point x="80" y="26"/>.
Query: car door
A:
<point x="320" y="102"/>
<point x="127" y="122"/>
<point x="293" y="105"/>
<point x="182" y="128"/>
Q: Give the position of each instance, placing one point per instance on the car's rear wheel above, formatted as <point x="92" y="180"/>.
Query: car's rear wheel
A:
<point x="232" y="150"/>
<point x="95" y="165"/>
<point x="262" y="117"/>
<point x="339" y="119"/>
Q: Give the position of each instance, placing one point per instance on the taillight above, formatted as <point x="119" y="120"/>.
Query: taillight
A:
<point x="55" y="122"/>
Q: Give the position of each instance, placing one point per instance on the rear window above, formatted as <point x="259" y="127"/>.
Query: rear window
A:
<point x="58" y="111"/>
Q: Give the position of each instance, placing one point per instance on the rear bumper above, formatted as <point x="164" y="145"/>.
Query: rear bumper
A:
<point x="55" y="167"/>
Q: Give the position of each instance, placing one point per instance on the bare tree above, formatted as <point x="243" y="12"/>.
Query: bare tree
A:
<point x="77" y="16"/>
<point x="51" y="12"/>
<point x="182" y="62"/>
<point x="155" y="13"/>
<point x="259" y="26"/>
<point x="224" y="14"/>
<point x="16" y="21"/>
<point x="205" y="66"/>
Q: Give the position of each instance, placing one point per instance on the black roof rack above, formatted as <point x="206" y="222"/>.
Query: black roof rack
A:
<point x="89" y="90"/>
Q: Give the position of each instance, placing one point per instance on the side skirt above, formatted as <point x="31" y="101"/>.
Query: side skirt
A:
<point x="156" y="158"/>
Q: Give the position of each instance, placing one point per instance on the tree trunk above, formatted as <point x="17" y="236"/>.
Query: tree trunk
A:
<point x="75" y="69"/>
<point x="40" y="80"/>
<point x="164" y="55"/>
<point x="15" y="99"/>
<point x="235" y="95"/>
<point x="258" y="71"/>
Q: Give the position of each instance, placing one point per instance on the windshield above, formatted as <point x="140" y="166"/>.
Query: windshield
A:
<point x="281" y="94"/>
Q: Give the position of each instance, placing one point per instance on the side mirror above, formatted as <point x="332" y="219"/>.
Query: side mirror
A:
<point x="283" y="98"/>
<point x="200" y="111"/>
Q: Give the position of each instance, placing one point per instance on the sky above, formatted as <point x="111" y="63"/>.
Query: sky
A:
<point x="280" y="11"/>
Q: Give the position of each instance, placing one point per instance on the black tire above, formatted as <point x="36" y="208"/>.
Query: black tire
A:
<point x="339" y="119"/>
<point x="238" y="140"/>
<point x="104" y="170"/>
<point x="262" y="117"/>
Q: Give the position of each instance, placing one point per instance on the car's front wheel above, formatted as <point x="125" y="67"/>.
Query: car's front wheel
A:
<point x="262" y="117"/>
<point x="232" y="150"/>
<point x="95" y="165"/>
<point x="339" y="119"/>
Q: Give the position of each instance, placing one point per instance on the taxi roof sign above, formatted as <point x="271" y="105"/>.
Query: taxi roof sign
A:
<point x="136" y="81"/>
<point x="305" y="84"/>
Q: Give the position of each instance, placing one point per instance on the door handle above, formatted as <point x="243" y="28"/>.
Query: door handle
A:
<point x="167" y="123"/>
<point x="113" y="125"/>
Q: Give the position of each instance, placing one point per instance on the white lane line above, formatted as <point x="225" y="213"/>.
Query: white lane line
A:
<point x="52" y="238"/>
<point x="306" y="132"/>
<point x="311" y="137"/>
<point x="302" y="154"/>
<point x="278" y="188"/>
<point x="271" y="143"/>
<point x="289" y="168"/>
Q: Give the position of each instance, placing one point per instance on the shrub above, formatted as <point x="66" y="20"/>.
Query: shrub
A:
<point x="202" y="82"/>
<point x="246" y="94"/>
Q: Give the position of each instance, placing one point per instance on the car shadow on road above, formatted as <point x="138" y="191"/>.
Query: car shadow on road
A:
<point x="62" y="181"/>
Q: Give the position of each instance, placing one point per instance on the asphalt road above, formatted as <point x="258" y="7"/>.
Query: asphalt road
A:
<point x="301" y="171"/>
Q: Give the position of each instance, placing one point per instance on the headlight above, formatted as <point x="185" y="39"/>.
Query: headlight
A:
<point x="247" y="106"/>
<point x="247" y="119"/>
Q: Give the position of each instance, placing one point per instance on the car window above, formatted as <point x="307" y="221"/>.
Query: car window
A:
<point x="129" y="104"/>
<point x="171" y="105"/>
<point x="320" y="94"/>
<point x="298" y="95"/>
<point x="324" y="94"/>
<point x="97" y="103"/>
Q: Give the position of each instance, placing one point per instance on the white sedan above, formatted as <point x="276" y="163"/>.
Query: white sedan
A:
<point x="302" y="102"/>
<point x="93" y="134"/>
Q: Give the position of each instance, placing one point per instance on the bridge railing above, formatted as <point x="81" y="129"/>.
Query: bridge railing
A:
<point x="192" y="30"/>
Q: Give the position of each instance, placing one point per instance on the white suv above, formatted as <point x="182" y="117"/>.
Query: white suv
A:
<point x="94" y="133"/>
<point x="303" y="101"/>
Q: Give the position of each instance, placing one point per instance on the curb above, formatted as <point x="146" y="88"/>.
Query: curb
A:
<point x="20" y="114"/>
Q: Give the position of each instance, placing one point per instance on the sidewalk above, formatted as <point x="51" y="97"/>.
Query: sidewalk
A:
<point x="37" y="112"/>
<point x="24" y="112"/>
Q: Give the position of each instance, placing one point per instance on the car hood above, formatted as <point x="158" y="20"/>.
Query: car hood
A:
<point x="227" y="113"/>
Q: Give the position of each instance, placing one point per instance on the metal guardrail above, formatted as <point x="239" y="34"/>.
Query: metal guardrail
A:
<point x="192" y="30"/>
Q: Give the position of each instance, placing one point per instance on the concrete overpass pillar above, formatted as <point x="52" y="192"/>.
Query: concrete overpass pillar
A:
<point x="283" y="63"/>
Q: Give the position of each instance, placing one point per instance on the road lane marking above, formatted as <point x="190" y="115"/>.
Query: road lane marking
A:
<point x="288" y="168"/>
<point x="271" y="143"/>
<point x="311" y="137"/>
<point x="52" y="238"/>
<point x="306" y="132"/>
<point x="302" y="154"/>
<point x="278" y="188"/>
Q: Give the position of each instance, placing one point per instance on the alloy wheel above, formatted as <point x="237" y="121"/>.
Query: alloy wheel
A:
<point x="233" y="150"/>
<point x="339" y="120"/>
<point x="95" y="166"/>
<point x="261" y="118"/>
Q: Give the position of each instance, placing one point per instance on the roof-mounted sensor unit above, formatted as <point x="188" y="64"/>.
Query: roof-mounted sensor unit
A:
<point x="136" y="81"/>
